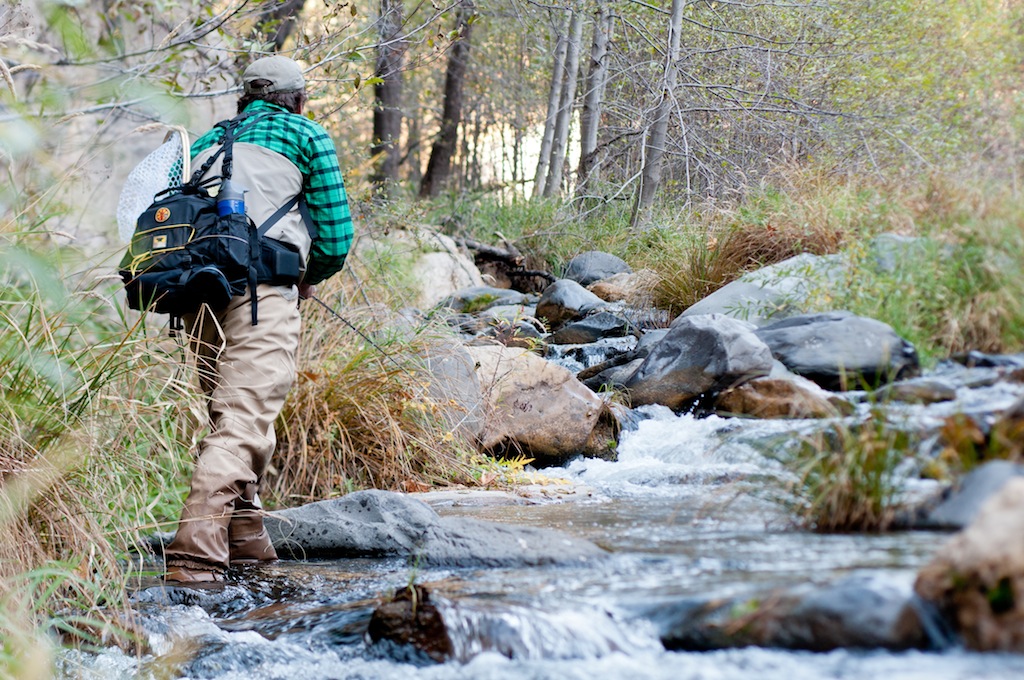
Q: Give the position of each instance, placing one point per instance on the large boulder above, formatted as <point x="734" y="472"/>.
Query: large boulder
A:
<point x="839" y="350"/>
<point x="453" y="387"/>
<point x="565" y="300"/>
<point x="386" y="524"/>
<point x="699" y="356"/>
<point x="977" y="578"/>
<point x="773" y="292"/>
<point x="437" y="269"/>
<point x="594" y="265"/>
<point x="540" y="409"/>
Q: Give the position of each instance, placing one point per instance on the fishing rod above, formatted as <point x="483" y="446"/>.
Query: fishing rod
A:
<point x="358" y="332"/>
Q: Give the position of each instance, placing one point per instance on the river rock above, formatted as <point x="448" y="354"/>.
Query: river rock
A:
<point x="962" y="503"/>
<point x="773" y="292"/>
<point x="633" y="287"/>
<point x="924" y="390"/>
<point x="449" y="373"/>
<point x="591" y="329"/>
<point x="594" y="265"/>
<point x="386" y="524"/>
<point x="540" y="409"/>
<point x="565" y="300"/>
<point x="977" y="577"/>
<point x="700" y="355"/>
<point x="839" y="350"/>
<point x="772" y="397"/>
<point x="865" y="611"/>
<point x="479" y="298"/>
<point x="438" y="267"/>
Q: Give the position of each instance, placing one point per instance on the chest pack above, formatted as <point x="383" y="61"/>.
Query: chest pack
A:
<point x="194" y="246"/>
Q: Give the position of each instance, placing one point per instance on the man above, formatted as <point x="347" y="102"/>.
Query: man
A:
<point x="246" y="370"/>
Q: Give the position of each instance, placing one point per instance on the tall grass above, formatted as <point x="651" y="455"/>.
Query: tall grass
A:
<point x="363" y="414"/>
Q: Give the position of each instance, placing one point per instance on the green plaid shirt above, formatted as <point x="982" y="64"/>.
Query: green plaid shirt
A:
<point x="310" y="148"/>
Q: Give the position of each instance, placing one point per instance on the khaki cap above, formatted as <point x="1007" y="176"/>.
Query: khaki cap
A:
<point x="283" y="73"/>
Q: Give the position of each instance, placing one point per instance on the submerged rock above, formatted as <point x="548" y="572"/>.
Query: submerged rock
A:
<point x="917" y="391"/>
<point x="977" y="578"/>
<point x="860" y="611"/>
<point x="700" y="355"/>
<point x="839" y="350"/>
<point x="480" y="298"/>
<point x="387" y="524"/>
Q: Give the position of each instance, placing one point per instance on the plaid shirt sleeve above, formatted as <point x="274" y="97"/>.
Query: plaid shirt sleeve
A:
<point x="311" y="149"/>
<point x="324" y="190"/>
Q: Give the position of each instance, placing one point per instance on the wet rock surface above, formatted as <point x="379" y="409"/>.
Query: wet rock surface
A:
<point x="698" y="356"/>
<point x="381" y="523"/>
<point x="865" y="611"/>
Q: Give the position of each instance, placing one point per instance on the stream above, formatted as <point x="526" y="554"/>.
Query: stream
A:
<point x="694" y="507"/>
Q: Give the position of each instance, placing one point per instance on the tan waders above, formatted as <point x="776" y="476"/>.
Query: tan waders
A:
<point x="246" y="371"/>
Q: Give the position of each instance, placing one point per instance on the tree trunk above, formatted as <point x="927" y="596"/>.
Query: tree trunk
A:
<point x="387" y="110"/>
<point x="279" y="22"/>
<point x="560" y="144"/>
<point x="590" y="119"/>
<point x="554" y="97"/>
<point x="439" y="166"/>
<point x="654" y="150"/>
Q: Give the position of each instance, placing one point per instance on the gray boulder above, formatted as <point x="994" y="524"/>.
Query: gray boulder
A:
<point x="862" y="611"/>
<point x="594" y="265"/>
<point x="773" y="292"/>
<point x="839" y="350"/>
<point x="565" y="300"/>
<point x="592" y="329"/>
<point x="386" y="524"/>
<point x="961" y="506"/>
<point x="699" y="356"/>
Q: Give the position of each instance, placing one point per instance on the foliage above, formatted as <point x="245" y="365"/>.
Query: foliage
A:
<point x="846" y="476"/>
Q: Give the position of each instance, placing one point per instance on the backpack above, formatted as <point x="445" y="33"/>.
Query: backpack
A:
<point x="191" y="249"/>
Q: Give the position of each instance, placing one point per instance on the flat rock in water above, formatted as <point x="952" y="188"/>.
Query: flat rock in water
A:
<point x="479" y="298"/>
<point x="386" y="524"/>
<point x="860" y="611"/>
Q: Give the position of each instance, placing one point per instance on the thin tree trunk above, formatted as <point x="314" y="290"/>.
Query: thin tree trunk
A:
<point x="279" y="22"/>
<point x="553" y="184"/>
<point x="387" y="110"/>
<point x="439" y="166"/>
<point x="654" y="150"/>
<point x="554" y="97"/>
<point x="590" y="118"/>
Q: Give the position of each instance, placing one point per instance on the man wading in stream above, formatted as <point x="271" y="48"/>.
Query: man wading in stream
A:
<point x="246" y="370"/>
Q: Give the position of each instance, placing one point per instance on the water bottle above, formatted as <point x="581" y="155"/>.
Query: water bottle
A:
<point x="230" y="199"/>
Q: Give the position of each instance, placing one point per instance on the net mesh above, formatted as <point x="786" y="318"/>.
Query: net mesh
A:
<point x="157" y="171"/>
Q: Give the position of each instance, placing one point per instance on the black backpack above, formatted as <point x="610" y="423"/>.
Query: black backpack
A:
<point x="184" y="254"/>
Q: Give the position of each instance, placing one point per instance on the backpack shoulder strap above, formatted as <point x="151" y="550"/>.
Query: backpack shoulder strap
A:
<point x="297" y="199"/>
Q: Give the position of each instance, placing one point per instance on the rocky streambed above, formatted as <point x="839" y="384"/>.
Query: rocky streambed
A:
<point x="660" y="539"/>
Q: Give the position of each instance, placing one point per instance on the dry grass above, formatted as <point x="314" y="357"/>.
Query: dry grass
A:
<point x="730" y="251"/>
<point x="363" y="416"/>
